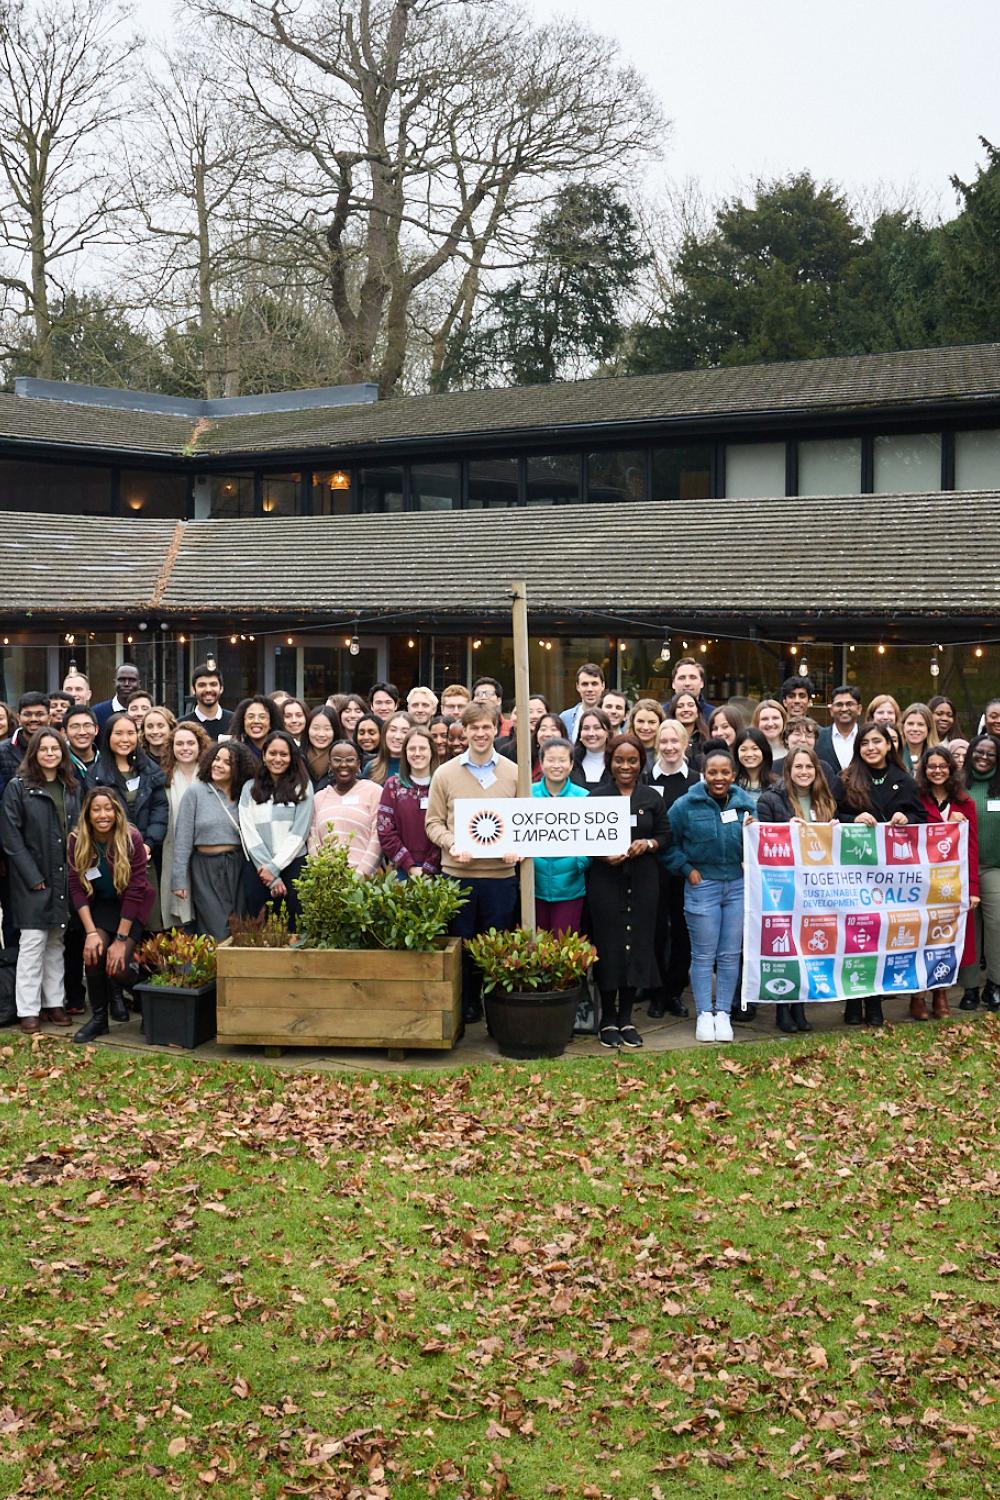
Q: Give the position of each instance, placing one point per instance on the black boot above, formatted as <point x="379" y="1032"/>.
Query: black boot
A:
<point x="783" y="1018"/>
<point x="991" y="996"/>
<point x="743" y="1017"/>
<point x="799" y="1018"/>
<point x="853" y="1014"/>
<point x="657" y="1007"/>
<point x="676" y="1007"/>
<point x="96" y="1026"/>
<point x="117" y="1004"/>
<point x="970" y="998"/>
<point x="873" y="1011"/>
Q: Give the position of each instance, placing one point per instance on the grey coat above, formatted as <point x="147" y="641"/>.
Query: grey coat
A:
<point x="33" y="841"/>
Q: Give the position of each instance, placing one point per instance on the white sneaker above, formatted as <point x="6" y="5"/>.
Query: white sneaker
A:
<point x="704" y="1030"/>
<point x="723" y="1027"/>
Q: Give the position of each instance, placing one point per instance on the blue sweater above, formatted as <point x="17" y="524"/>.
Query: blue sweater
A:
<point x="702" y="841"/>
<point x="560" y="877"/>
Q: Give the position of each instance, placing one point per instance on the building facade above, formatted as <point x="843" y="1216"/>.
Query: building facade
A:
<point x="838" y="512"/>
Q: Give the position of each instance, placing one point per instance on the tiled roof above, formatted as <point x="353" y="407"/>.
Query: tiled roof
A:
<point x="795" y="558"/>
<point x="969" y="373"/>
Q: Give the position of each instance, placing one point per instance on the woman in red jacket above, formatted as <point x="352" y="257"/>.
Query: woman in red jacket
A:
<point x="110" y="889"/>
<point x="942" y="791"/>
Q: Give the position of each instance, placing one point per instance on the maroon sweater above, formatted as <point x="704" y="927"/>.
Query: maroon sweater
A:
<point x="401" y="828"/>
<point x="137" y="897"/>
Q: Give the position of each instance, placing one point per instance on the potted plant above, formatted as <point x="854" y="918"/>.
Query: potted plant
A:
<point x="178" y="998"/>
<point x="370" y="966"/>
<point x="532" y="985"/>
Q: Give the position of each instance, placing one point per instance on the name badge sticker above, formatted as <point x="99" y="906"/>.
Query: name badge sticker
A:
<point x="730" y="815"/>
<point x="351" y="800"/>
<point x="132" y="784"/>
<point x="423" y="803"/>
<point x="633" y="820"/>
<point x="657" y="788"/>
<point x="993" y="804"/>
<point x="94" y="874"/>
<point x="488" y="780"/>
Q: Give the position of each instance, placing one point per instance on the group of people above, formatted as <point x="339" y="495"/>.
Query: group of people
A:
<point x="118" y="818"/>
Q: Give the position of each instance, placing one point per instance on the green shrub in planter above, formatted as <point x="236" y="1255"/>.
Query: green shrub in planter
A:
<point x="342" y="909"/>
<point x="532" y="982"/>
<point x="179" y="960"/>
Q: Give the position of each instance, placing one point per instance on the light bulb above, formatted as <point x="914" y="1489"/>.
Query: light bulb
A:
<point x="803" y="668"/>
<point x="793" y="650"/>
<point x="979" y="650"/>
<point x="355" y="647"/>
<point x="881" y="649"/>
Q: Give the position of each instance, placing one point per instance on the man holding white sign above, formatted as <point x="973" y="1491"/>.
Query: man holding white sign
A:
<point x="480" y="773"/>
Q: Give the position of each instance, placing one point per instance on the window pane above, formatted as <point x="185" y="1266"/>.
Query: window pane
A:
<point x="331" y="493"/>
<point x="830" y="466"/>
<point x="436" y="486"/>
<point x="71" y="489"/>
<point x="492" y="481"/>
<point x="617" y="476"/>
<point x="381" y="489"/>
<point x="755" y="469"/>
<point x="977" y="460"/>
<point x="231" y="496"/>
<point x="908" y="465"/>
<point x="554" y="479"/>
<point x="281" y="494"/>
<point x="682" y="473"/>
<point x="157" y="496"/>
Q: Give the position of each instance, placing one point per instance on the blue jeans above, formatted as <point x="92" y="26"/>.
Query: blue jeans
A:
<point x="713" y="911"/>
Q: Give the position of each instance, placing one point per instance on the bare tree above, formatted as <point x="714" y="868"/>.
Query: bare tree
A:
<point x="189" y="171"/>
<point x="411" y="137"/>
<point x="62" y="67"/>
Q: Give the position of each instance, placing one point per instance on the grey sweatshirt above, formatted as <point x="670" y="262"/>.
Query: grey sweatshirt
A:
<point x="205" y="816"/>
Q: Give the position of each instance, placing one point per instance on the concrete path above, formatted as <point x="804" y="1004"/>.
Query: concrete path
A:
<point x="667" y="1035"/>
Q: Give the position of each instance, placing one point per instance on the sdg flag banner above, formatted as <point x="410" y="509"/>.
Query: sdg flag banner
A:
<point x="836" y="911"/>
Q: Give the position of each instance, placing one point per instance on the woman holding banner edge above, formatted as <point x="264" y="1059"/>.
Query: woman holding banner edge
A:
<point x="873" y="789"/>
<point x="803" y="796"/>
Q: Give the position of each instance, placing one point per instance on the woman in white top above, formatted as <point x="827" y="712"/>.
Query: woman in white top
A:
<point x="275" y="817"/>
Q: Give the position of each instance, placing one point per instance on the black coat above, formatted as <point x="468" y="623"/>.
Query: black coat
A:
<point x="11" y="756"/>
<point x="622" y="901"/>
<point x="150" y="811"/>
<point x="35" y="846"/>
<point x="898" y="793"/>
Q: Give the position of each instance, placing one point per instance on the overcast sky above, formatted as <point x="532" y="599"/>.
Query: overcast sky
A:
<point x="862" y="92"/>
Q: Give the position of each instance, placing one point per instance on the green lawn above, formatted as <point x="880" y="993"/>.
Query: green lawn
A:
<point x="765" y="1271"/>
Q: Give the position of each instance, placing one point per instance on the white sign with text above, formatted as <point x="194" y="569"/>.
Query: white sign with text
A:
<point x="542" y="826"/>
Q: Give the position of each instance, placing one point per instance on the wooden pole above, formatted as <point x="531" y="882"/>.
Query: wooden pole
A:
<point x="519" y="617"/>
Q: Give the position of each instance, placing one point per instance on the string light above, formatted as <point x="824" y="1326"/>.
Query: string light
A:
<point x="881" y="649"/>
<point x="803" y="668"/>
<point x="978" y="651"/>
<point x="935" y="665"/>
<point x="793" y="650"/>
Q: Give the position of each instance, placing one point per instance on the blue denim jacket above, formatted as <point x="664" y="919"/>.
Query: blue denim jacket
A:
<point x="701" y="840"/>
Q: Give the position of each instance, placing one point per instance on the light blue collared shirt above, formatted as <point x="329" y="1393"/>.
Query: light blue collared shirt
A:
<point x="480" y="772"/>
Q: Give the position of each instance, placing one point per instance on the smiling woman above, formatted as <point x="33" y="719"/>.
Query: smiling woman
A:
<point x="346" y="810"/>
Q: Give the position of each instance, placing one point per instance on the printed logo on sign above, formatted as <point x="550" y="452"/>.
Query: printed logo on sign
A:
<point x="780" y="979"/>
<point x="819" y="974"/>
<point x="861" y="933"/>
<point x="902" y="845"/>
<point x="858" y="845"/>
<point x="775" y="846"/>
<point x="486" y="827"/>
<point x="946" y="884"/>
<point x="904" y="930"/>
<point x="776" y="935"/>
<point x="942" y="966"/>
<point x="778" y="890"/>
<point x="899" y="972"/>
<point x="942" y="924"/>
<point x="858" y="975"/>
<point x="816" y="844"/>
<point x="942" y="842"/>
<point x="818" y="935"/>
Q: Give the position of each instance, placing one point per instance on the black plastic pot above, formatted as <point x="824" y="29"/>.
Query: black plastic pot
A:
<point x="532" y="1023"/>
<point x="173" y="1017"/>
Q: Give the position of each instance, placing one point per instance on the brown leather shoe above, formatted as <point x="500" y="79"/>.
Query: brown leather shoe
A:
<point x="30" y="1024"/>
<point x="918" y="1008"/>
<point x="940" y="1006"/>
<point x="55" y="1015"/>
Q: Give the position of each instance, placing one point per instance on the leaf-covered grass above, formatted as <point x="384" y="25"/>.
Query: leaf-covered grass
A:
<point x="770" y="1272"/>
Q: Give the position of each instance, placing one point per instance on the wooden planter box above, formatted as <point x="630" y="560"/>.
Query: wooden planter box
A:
<point x="339" y="997"/>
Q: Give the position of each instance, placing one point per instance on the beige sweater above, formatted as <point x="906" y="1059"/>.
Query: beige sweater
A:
<point x="449" y="782"/>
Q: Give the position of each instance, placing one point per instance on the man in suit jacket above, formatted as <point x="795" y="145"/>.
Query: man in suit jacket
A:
<point x="836" y="744"/>
<point x="590" y="686"/>
<point x="126" y="681"/>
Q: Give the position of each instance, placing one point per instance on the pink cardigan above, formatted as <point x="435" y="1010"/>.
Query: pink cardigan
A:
<point x="352" y="821"/>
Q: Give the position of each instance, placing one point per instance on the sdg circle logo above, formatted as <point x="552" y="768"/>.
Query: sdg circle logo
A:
<point x="486" y="828"/>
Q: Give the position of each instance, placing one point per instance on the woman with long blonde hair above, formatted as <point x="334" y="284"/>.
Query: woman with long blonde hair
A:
<point x="110" y="889"/>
